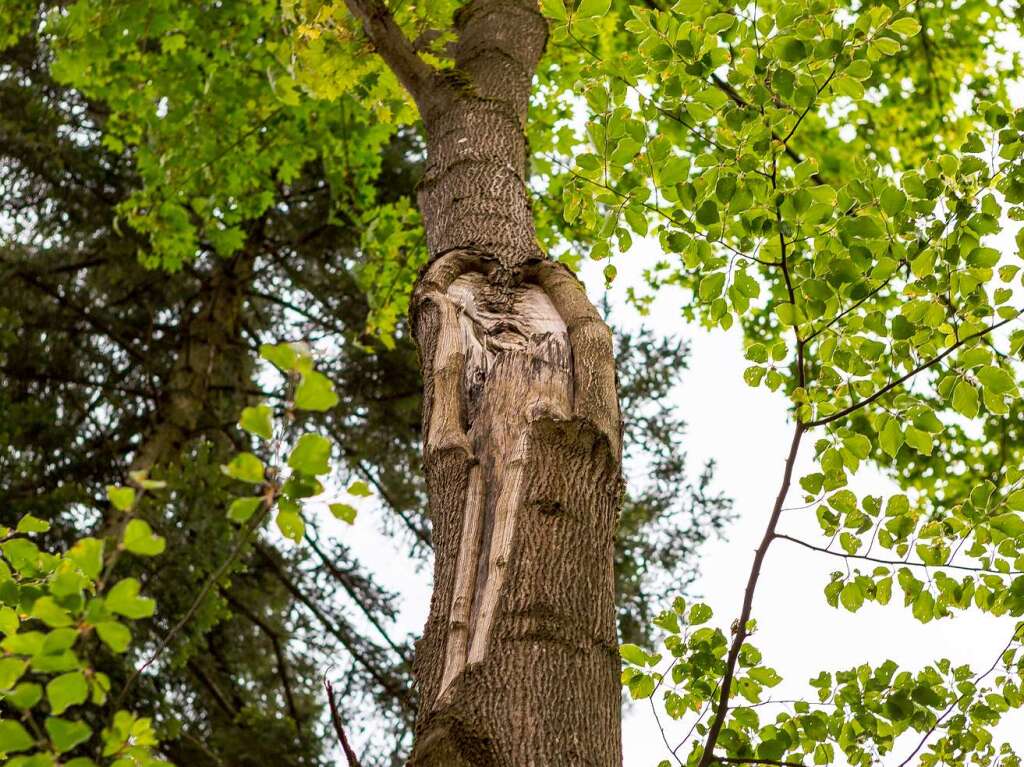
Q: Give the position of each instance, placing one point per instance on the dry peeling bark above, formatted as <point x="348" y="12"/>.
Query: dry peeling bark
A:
<point x="518" y="664"/>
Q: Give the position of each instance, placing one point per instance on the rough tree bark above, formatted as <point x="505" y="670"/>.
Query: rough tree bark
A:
<point x="518" y="664"/>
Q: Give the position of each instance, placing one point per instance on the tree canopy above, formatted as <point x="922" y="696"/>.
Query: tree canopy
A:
<point x="208" y="242"/>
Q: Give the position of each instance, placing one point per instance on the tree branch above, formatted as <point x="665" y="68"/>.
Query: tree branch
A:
<point x="923" y="366"/>
<point x="394" y="48"/>
<point x="346" y="583"/>
<point x="243" y="537"/>
<point x="339" y="727"/>
<point x="361" y="658"/>
<point x="892" y="562"/>
<point x="942" y="717"/>
<point x="275" y="641"/>
<point x="741" y="633"/>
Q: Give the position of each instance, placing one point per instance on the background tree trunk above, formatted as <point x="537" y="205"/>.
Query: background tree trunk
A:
<point x="518" y="664"/>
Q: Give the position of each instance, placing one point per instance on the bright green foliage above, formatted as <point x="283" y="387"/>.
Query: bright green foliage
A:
<point x="810" y="177"/>
<point x="214" y="102"/>
<point x="50" y="605"/>
<point x="309" y="457"/>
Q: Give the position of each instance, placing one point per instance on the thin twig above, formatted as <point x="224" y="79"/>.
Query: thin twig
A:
<point x="923" y="366"/>
<point x="339" y="727"/>
<point x="941" y="718"/>
<point x="891" y="562"/>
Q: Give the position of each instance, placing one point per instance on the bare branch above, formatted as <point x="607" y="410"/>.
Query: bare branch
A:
<point x="339" y="728"/>
<point x="741" y="633"/>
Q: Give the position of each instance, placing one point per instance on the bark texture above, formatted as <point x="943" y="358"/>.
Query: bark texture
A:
<point x="518" y="664"/>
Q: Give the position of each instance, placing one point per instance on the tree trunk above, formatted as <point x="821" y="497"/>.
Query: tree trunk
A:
<point x="210" y="353"/>
<point x="518" y="664"/>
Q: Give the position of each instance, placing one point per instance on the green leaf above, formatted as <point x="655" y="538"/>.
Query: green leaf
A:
<point x="905" y="27"/>
<point x="14" y="737"/>
<point x="124" y="599"/>
<point x="858" y="444"/>
<point x="258" y="420"/>
<point x="241" y="509"/>
<point x="9" y="621"/>
<point x="67" y="690"/>
<point x="965" y="399"/>
<point x="245" y="467"/>
<point x="641" y="686"/>
<point x="24" y="696"/>
<point x="172" y="43"/>
<point x="1010" y="524"/>
<point x="924" y="606"/>
<point x="812" y="483"/>
<point x="1015" y="500"/>
<point x="115" y="635"/>
<point x="87" y="553"/>
<point x="786" y="313"/>
<point x="291" y="525"/>
<point x="139" y="538"/>
<point x="122" y="498"/>
<point x="49" y="612"/>
<point x="11" y="670"/>
<point x="631" y="653"/>
<point x="359" y="489"/>
<point x="893" y="200"/>
<point x="707" y="213"/>
<point x="589" y="9"/>
<point x="311" y="454"/>
<point x="711" y="286"/>
<point x="554" y="9"/>
<point x="851" y="597"/>
<point x="65" y="735"/>
<point x="891" y="437"/>
<point x="848" y="86"/>
<point x="285" y="357"/>
<point x="30" y="524"/>
<point x="315" y="392"/>
<point x="766" y="676"/>
<point x="995" y="379"/>
<point x="920" y="440"/>
<point x="343" y="511"/>
<point x="699" y="613"/>
<point x="886" y="46"/>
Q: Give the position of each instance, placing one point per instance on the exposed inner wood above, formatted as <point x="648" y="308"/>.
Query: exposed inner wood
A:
<point x="516" y="368"/>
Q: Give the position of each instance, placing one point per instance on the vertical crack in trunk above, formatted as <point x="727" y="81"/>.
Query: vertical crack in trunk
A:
<point x="517" y="367"/>
<point x="523" y="464"/>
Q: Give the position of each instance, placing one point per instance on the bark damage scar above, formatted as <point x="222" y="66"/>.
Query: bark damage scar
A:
<point x="502" y="361"/>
